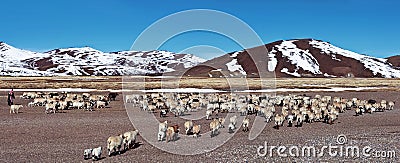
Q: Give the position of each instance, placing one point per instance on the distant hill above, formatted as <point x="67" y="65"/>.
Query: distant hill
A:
<point x="299" y="58"/>
<point x="88" y="61"/>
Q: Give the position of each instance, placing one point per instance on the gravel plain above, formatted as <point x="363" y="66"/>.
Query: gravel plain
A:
<point x="33" y="136"/>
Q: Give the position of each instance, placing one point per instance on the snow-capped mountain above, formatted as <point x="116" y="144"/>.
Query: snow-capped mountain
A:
<point x="89" y="61"/>
<point x="298" y="58"/>
<point x="285" y="58"/>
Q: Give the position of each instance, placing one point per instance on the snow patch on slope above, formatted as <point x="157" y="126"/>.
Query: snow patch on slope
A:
<point x="376" y="65"/>
<point x="12" y="61"/>
<point x="298" y="57"/>
<point x="194" y="60"/>
<point x="329" y="76"/>
<point x="234" y="66"/>
<point x="285" y="70"/>
<point x="235" y="54"/>
<point x="272" y="62"/>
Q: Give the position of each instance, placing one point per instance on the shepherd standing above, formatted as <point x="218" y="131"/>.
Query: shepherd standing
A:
<point x="11" y="97"/>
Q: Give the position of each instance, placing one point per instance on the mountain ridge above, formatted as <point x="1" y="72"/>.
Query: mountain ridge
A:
<point x="283" y="58"/>
<point x="299" y="58"/>
<point x="88" y="61"/>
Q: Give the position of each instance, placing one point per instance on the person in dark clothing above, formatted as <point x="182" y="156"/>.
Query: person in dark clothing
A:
<point x="10" y="97"/>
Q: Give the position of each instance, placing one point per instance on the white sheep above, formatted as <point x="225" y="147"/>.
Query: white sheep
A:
<point x="243" y="110"/>
<point x="208" y="114"/>
<point x="210" y="106"/>
<point x="268" y="115"/>
<point x="359" y="110"/>
<point x="87" y="154"/>
<point x="28" y="95"/>
<point x="40" y="101"/>
<point x="15" y="108"/>
<point x="245" y="124"/>
<point x="87" y="105"/>
<point x="311" y="117"/>
<point x="383" y="103"/>
<point x="290" y="119"/>
<point x="225" y="107"/>
<point x="78" y="105"/>
<point x="100" y="104"/>
<point x="299" y="120"/>
<point x="390" y="105"/>
<point x="96" y="153"/>
<point x="162" y="128"/>
<point x="285" y="112"/>
<point x="151" y="108"/>
<point x="349" y="104"/>
<point x="221" y="122"/>
<point x="31" y="104"/>
<point x="318" y="116"/>
<point x="188" y="127"/>
<point x="214" y="126"/>
<point x="180" y="111"/>
<point x="163" y="112"/>
<point x="86" y="95"/>
<point x="332" y="118"/>
<point x="50" y="107"/>
<point x="129" y="98"/>
<point x="231" y="127"/>
<point x="233" y="120"/>
<point x="114" y="144"/>
<point x="278" y="120"/>
<point x="130" y="139"/>
<point x="196" y="130"/>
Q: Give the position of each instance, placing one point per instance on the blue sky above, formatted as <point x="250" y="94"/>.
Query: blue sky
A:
<point x="364" y="26"/>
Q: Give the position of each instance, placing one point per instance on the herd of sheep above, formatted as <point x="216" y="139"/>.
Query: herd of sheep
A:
<point x="59" y="101"/>
<point x="295" y="110"/>
<point x="54" y="102"/>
